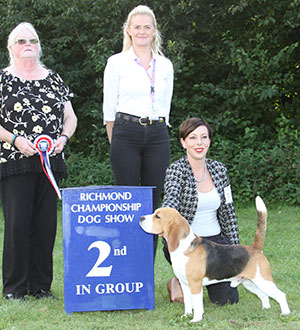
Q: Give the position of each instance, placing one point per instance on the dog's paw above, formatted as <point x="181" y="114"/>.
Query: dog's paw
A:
<point x="189" y="314"/>
<point x="186" y="316"/>
<point x="197" y="316"/>
<point x="188" y="310"/>
<point x="266" y="305"/>
<point x="285" y="311"/>
<point x="198" y="319"/>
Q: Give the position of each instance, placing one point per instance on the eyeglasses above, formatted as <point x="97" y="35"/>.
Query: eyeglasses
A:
<point x="24" y="41"/>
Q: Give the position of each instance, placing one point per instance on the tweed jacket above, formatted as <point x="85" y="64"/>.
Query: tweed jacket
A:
<point x="180" y="192"/>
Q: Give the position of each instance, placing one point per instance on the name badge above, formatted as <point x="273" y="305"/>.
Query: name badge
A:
<point x="228" y="195"/>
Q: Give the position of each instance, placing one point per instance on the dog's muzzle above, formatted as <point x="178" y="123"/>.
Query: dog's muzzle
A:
<point x="145" y="224"/>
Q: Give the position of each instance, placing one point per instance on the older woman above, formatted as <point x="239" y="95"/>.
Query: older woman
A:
<point x="199" y="188"/>
<point x="138" y="87"/>
<point x="34" y="101"/>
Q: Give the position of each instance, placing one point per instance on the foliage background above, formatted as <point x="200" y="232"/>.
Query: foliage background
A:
<point x="236" y="64"/>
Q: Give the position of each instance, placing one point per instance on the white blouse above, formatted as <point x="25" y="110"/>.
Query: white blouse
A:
<point x="127" y="87"/>
<point x="206" y="222"/>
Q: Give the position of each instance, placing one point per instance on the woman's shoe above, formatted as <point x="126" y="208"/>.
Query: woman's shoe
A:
<point x="41" y="294"/>
<point x="12" y="296"/>
<point x="175" y="291"/>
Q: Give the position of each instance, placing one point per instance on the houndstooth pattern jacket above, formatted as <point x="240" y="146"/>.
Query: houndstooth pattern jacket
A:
<point x="180" y="192"/>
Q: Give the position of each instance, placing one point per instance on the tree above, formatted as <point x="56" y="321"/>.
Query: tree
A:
<point x="236" y="64"/>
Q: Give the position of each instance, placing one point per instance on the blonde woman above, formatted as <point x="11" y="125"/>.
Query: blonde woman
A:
<point x="138" y="87"/>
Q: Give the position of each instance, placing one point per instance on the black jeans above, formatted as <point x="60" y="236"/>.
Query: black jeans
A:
<point x="140" y="155"/>
<point x="220" y="293"/>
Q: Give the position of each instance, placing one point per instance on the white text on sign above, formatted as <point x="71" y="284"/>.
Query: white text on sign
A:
<point x="110" y="288"/>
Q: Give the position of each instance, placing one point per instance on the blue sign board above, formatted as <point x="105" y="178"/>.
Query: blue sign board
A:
<point x="108" y="258"/>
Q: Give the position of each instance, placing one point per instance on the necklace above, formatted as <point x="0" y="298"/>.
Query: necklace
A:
<point x="204" y="176"/>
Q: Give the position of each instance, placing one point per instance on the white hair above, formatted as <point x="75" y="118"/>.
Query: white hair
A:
<point x="13" y="35"/>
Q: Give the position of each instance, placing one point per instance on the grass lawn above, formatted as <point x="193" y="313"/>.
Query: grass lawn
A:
<point x="282" y="247"/>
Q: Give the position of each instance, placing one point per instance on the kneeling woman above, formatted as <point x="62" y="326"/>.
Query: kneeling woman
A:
<point x="199" y="188"/>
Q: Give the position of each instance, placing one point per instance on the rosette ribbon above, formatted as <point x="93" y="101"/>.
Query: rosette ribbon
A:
<point x="45" y="146"/>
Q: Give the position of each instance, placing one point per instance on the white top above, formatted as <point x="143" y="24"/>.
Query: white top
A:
<point x="127" y="87"/>
<point x="205" y="222"/>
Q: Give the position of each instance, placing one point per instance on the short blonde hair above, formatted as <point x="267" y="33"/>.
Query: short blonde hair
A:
<point x="142" y="10"/>
<point x="13" y="35"/>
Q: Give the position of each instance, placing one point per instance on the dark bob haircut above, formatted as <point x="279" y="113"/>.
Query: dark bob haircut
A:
<point x="190" y="124"/>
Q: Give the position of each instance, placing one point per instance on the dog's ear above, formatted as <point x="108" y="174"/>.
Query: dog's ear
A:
<point x="178" y="230"/>
<point x="173" y="238"/>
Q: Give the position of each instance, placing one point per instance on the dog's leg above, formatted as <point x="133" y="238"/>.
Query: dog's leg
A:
<point x="187" y="296"/>
<point x="236" y="281"/>
<point x="198" y="306"/>
<point x="249" y="285"/>
<point x="270" y="289"/>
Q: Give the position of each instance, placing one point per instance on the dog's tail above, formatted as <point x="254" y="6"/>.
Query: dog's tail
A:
<point x="261" y="223"/>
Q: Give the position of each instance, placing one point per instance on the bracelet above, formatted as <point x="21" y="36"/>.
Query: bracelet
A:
<point x="12" y="142"/>
<point x="66" y="136"/>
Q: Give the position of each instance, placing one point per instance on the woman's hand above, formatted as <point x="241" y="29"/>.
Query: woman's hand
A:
<point x="25" y="146"/>
<point x="60" y="144"/>
<point x="109" y="128"/>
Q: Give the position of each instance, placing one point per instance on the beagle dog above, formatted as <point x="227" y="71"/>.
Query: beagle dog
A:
<point x="199" y="262"/>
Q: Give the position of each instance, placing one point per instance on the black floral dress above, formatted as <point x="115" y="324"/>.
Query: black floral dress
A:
<point x="30" y="108"/>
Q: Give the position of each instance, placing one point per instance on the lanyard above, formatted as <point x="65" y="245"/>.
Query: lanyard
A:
<point x="151" y="78"/>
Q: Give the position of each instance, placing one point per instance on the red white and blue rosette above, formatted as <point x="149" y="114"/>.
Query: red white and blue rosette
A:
<point x="45" y="146"/>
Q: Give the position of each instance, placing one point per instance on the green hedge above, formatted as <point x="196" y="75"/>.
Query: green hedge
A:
<point x="255" y="168"/>
<point x="236" y="64"/>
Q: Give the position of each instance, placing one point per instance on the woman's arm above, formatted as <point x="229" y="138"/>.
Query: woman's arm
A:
<point x="169" y="91"/>
<point x="25" y="146"/>
<point x="109" y="127"/>
<point x="226" y="212"/>
<point x="69" y="127"/>
<point x="173" y="187"/>
<point x="110" y="96"/>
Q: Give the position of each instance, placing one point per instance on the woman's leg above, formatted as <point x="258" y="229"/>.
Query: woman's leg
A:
<point x="17" y="195"/>
<point x="156" y="158"/>
<point x="42" y="235"/>
<point x="125" y="152"/>
<point x="140" y="155"/>
<point x="222" y="293"/>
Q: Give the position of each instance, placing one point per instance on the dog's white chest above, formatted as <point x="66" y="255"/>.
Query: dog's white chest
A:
<point x="179" y="259"/>
<point x="178" y="266"/>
